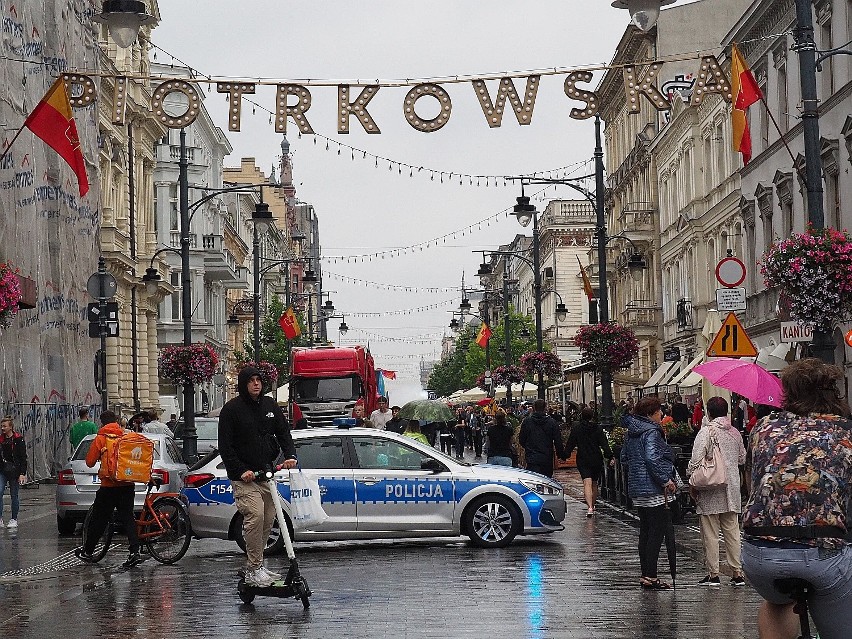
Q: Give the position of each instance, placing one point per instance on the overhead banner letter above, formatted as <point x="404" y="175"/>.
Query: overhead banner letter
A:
<point x="297" y="111"/>
<point x="359" y="108"/>
<point x="494" y="112"/>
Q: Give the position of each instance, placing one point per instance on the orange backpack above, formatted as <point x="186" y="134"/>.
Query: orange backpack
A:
<point x="128" y="457"/>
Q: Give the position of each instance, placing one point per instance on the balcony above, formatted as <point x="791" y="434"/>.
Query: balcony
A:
<point x="174" y="240"/>
<point x="643" y="317"/>
<point x="684" y="315"/>
<point x="219" y="262"/>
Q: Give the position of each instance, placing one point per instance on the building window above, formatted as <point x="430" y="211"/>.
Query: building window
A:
<point x="176" y="296"/>
<point x="783" y="105"/>
<point x="709" y="184"/>
<point x="174" y="214"/>
<point x="826" y="43"/>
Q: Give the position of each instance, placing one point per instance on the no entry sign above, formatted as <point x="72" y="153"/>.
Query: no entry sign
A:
<point x="730" y="272"/>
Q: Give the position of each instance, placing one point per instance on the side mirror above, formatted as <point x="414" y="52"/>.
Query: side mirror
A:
<point x="432" y="464"/>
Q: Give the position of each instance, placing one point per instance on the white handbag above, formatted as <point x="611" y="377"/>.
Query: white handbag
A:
<point x="710" y="472"/>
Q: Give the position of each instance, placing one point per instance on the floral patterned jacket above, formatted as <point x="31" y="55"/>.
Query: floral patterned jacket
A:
<point x="801" y="474"/>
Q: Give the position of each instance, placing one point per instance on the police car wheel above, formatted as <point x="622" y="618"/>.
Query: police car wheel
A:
<point x="492" y="521"/>
<point x="274" y="545"/>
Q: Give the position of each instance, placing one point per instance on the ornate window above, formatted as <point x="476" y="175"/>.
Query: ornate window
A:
<point x="784" y="188"/>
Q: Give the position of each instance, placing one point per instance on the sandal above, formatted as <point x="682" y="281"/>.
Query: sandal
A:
<point x="654" y="584"/>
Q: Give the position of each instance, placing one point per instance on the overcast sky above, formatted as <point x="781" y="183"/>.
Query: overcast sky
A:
<point x="366" y="209"/>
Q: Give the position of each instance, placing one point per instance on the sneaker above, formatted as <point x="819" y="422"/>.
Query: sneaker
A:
<point x="710" y="581"/>
<point x="258" y="578"/>
<point x="133" y="559"/>
<point x="275" y="576"/>
<point x="84" y="556"/>
<point x="13" y="523"/>
<point x="2" y="524"/>
<point x="738" y="581"/>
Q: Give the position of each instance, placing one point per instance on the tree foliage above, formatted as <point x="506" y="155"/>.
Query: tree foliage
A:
<point x="461" y="369"/>
<point x="273" y="344"/>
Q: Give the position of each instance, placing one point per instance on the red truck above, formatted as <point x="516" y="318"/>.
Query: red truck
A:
<point x="327" y="381"/>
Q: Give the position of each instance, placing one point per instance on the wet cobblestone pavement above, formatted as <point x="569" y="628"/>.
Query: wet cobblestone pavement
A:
<point x="581" y="582"/>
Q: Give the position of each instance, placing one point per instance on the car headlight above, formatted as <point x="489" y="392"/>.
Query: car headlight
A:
<point x="542" y="488"/>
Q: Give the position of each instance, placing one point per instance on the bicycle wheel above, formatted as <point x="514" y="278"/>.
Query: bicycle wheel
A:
<point x="101" y="546"/>
<point x="171" y="543"/>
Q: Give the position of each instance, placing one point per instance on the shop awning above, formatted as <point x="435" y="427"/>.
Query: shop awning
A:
<point x="686" y="378"/>
<point x="662" y="375"/>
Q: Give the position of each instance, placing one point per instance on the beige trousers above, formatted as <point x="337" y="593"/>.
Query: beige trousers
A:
<point x="730" y="526"/>
<point x="254" y="501"/>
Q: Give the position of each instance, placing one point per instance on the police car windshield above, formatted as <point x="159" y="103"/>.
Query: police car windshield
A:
<point x="342" y="389"/>
<point x="443" y="456"/>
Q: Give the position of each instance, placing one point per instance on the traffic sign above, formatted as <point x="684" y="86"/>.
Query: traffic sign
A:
<point x="731" y="340"/>
<point x="794" y="332"/>
<point x="101" y="285"/>
<point x="730" y="272"/>
<point x="95" y="329"/>
<point x="848" y="338"/>
<point x="730" y="299"/>
<point x="93" y="311"/>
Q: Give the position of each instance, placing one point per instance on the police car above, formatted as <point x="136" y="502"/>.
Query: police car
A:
<point x="378" y="484"/>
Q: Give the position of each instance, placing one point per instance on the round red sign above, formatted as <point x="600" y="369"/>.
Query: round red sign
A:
<point x="730" y="271"/>
<point x="848" y="338"/>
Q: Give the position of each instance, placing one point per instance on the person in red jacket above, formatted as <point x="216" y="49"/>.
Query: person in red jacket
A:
<point x="112" y="496"/>
<point x="697" y="414"/>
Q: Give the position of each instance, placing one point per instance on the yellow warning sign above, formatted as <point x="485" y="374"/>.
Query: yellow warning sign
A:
<point x="731" y="340"/>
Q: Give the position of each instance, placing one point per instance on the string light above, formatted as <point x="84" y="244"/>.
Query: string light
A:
<point x="406" y="311"/>
<point x="392" y="287"/>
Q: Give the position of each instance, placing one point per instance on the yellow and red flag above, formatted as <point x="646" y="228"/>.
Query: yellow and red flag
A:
<point x="587" y="285"/>
<point x="289" y="323"/>
<point x="483" y="336"/>
<point x="745" y="93"/>
<point x="53" y="122"/>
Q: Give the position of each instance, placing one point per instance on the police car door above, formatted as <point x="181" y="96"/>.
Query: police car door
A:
<point x="394" y="491"/>
<point x="323" y="456"/>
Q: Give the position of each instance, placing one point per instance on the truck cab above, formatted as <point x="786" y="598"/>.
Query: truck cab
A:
<point x="327" y="381"/>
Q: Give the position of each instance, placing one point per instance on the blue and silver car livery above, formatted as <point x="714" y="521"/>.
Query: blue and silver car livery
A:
<point x="377" y="484"/>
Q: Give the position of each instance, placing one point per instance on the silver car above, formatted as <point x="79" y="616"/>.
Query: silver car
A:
<point x="378" y="484"/>
<point x="77" y="483"/>
<point x="207" y="430"/>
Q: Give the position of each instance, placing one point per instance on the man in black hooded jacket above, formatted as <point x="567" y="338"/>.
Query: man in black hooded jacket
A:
<point x="252" y="431"/>
<point x="541" y="437"/>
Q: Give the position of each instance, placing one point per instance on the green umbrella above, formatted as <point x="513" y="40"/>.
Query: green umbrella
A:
<point x="427" y="410"/>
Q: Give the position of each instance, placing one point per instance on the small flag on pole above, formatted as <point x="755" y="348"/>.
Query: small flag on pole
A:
<point x="746" y="92"/>
<point x="483" y="336"/>
<point x="289" y="323"/>
<point x="53" y="122"/>
<point x="587" y="285"/>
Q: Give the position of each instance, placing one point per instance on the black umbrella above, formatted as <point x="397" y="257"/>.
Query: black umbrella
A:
<point x="671" y="550"/>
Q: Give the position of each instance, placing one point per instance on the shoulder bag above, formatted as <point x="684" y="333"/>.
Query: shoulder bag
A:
<point x="710" y="472"/>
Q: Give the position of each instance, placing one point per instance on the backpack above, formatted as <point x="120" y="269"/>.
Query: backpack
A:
<point x="128" y="457"/>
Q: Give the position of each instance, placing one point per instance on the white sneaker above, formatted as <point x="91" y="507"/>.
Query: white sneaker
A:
<point x="275" y="576"/>
<point x="2" y="525"/>
<point x="13" y="523"/>
<point x="258" y="578"/>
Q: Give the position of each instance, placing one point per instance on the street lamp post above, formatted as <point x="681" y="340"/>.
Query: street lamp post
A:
<point x="636" y="261"/>
<point x="822" y="345"/>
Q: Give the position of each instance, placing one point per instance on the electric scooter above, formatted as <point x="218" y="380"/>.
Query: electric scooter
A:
<point x="293" y="584"/>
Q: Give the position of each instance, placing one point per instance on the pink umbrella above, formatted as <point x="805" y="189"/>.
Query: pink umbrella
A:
<point x="744" y="378"/>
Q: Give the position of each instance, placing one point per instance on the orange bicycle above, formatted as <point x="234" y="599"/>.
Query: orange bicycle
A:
<point x="162" y="526"/>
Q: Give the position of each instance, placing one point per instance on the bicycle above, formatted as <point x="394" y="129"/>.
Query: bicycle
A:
<point x="162" y="527"/>
<point x="798" y="589"/>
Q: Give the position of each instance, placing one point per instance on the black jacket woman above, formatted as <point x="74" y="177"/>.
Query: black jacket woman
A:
<point x="13" y="467"/>
<point x="592" y="446"/>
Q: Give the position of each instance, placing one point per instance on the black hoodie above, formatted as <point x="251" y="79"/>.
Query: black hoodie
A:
<point x="252" y="432"/>
<point x="541" y="437"/>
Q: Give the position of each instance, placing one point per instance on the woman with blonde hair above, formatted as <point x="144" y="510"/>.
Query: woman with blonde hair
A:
<point x="13" y="467"/>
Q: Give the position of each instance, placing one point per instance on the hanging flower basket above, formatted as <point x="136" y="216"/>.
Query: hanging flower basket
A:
<point x="813" y="270"/>
<point x="607" y="346"/>
<point x="10" y="293"/>
<point x="268" y="373"/>
<point x="184" y="365"/>
<point x="505" y="375"/>
<point x="548" y="364"/>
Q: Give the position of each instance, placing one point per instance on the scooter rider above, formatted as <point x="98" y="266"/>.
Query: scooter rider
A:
<point x="252" y="431"/>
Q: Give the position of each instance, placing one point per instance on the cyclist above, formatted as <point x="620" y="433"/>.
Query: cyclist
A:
<point x="796" y="519"/>
<point x="111" y="496"/>
<point x="252" y="427"/>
